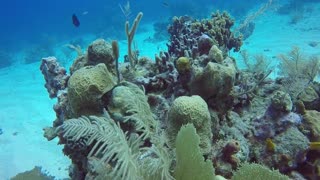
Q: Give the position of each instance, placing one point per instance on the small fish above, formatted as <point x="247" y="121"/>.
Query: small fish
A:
<point x="75" y="20"/>
<point x="165" y="4"/>
<point x="85" y="13"/>
<point x="314" y="146"/>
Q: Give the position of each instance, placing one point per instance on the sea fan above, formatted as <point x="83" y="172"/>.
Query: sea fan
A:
<point x="130" y="101"/>
<point x="109" y="143"/>
<point x="157" y="159"/>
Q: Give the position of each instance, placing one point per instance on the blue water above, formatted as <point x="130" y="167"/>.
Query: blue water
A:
<point x="25" y="22"/>
<point x="38" y="24"/>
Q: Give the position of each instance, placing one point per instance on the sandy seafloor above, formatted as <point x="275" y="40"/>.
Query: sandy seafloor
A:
<point x="25" y="107"/>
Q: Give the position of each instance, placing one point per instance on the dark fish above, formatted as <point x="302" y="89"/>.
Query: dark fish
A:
<point x="165" y="4"/>
<point x="75" y="20"/>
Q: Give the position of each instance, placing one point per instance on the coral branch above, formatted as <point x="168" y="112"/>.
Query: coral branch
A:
<point x="130" y="35"/>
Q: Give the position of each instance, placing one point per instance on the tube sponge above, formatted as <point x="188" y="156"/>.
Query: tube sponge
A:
<point x="192" y="110"/>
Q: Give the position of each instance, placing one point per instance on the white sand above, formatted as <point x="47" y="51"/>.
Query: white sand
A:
<point x="275" y="35"/>
<point x="26" y="107"/>
<point x="25" y="110"/>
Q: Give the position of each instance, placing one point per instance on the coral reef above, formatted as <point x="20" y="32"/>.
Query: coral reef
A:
<point x="311" y="124"/>
<point x="183" y="65"/>
<point x="190" y="162"/>
<point x="248" y="171"/>
<point x="118" y="121"/>
<point x="281" y="101"/>
<point x="55" y="76"/>
<point x="100" y="51"/>
<point x="229" y="150"/>
<point x="298" y="71"/>
<point x="130" y="35"/>
<point x="189" y="36"/>
<point x="215" y="80"/>
<point x="192" y="110"/>
<point x="129" y="104"/>
<point x="86" y="86"/>
<point x="215" y="54"/>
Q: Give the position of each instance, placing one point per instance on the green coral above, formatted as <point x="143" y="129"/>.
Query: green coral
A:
<point x="219" y="27"/>
<point x="190" y="162"/>
<point x="108" y="143"/>
<point x="281" y="101"/>
<point x="215" y="54"/>
<point x="100" y="51"/>
<point x="113" y="153"/>
<point x="86" y="87"/>
<point x="311" y="123"/>
<point x="129" y="104"/>
<point x="193" y="110"/>
<point x="183" y="64"/>
<point x="257" y="172"/>
<point x="308" y="95"/>
<point x="216" y="80"/>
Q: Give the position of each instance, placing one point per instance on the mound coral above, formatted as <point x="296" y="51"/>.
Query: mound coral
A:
<point x="311" y="123"/>
<point x="281" y="101"/>
<point x="100" y="51"/>
<point x="215" y="80"/>
<point x="183" y="65"/>
<point x="193" y="110"/>
<point x="215" y="54"/>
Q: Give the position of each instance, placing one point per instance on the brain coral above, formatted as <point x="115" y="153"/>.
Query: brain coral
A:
<point x="193" y="110"/>
<point x="85" y="88"/>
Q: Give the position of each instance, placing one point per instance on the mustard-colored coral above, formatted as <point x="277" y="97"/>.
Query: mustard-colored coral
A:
<point x="193" y="110"/>
<point x="312" y="124"/>
<point x="314" y="146"/>
<point x="85" y="88"/>
<point x="270" y="145"/>
<point x="183" y="64"/>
